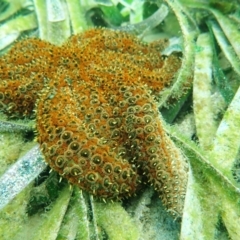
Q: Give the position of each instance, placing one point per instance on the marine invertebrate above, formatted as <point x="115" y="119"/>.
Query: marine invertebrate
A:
<point x="211" y="190"/>
<point x="97" y="119"/>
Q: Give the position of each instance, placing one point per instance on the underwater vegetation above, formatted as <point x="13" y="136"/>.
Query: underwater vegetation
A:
<point x="145" y="105"/>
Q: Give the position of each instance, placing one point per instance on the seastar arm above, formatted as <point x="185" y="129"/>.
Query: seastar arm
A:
<point x="72" y="147"/>
<point x="167" y="170"/>
<point x="23" y="72"/>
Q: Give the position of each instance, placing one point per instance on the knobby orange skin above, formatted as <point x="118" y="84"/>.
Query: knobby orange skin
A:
<point x="97" y="119"/>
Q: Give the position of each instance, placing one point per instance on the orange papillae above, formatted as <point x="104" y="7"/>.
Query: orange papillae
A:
<point x="97" y="121"/>
<point x="23" y="72"/>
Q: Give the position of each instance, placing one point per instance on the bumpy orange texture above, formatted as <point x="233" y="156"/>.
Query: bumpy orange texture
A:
<point x="97" y="119"/>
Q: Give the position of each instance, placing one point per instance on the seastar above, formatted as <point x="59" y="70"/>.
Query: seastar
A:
<point x="97" y="120"/>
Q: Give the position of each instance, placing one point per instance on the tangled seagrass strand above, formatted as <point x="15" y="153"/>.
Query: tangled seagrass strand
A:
<point x="97" y="120"/>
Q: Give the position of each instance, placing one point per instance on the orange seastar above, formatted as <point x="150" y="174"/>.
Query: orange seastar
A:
<point x="97" y="119"/>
